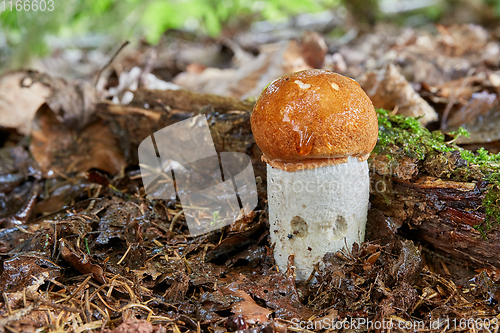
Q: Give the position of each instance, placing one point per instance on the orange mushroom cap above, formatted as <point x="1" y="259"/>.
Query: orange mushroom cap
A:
<point x="313" y="118"/>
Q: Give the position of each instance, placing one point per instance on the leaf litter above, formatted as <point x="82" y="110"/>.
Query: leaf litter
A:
<point x="83" y="248"/>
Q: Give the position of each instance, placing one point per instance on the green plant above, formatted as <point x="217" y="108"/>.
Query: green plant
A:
<point x="26" y="32"/>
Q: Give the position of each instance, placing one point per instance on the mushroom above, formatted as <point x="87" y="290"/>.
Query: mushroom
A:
<point x="316" y="130"/>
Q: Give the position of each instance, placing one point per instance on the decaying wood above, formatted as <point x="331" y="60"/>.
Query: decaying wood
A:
<point x="186" y="100"/>
<point x="439" y="213"/>
<point x="435" y="211"/>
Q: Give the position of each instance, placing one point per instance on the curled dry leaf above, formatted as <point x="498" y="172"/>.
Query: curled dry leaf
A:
<point x="248" y="80"/>
<point x="72" y="102"/>
<point x="56" y="147"/>
<point x="480" y="117"/>
<point x="388" y="89"/>
<point x="251" y="312"/>
<point x="314" y="48"/>
<point x="81" y="261"/>
<point x="19" y="101"/>
<point x="48" y="136"/>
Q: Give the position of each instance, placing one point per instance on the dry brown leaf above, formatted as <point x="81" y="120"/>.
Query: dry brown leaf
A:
<point x="48" y="136"/>
<point x="480" y="117"/>
<point x="132" y="325"/>
<point x="388" y="89"/>
<point x="326" y="321"/>
<point x="72" y="102"/>
<point x="458" y="40"/>
<point x="20" y="100"/>
<point x="314" y="48"/>
<point x="248" y="80"/>
<point x="478" y="106"/>
<point x="26" y="271"/>
<point x="459" y="90"/>
<point x="81" y="261"/>
<point x="57" y="148"/>
<point x="251" y="312"/>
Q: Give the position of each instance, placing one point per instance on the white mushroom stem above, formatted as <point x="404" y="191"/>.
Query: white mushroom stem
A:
<point x="316" y="211"/>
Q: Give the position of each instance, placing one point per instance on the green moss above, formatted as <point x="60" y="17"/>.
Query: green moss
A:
<point x="405" y="135"/>
<point x="416" y="141"/>
<point x="481" y="157"/>
<point x="408" y="134"/>
<point x="491" y="204"/>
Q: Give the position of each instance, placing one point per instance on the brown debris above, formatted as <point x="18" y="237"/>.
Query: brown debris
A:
<point x="458" y="40"/>
<point x="355" y="283"/>
<point x="273" y="61"/>
<point x="185" y="100"/>
<point x="132" y="326"/>
<point x="247" y="308"/>
<point x="73" y="103"/>
<point x="314" y="48"/>
<point x="389" y="90"/>
<point x="83" y="248"/>
<point x="480" y="117"/>
<point x="29" y="271"/>
<point x="25" y="99"/>
<point x="80" y="261"/>
<point x="53" y="140"/>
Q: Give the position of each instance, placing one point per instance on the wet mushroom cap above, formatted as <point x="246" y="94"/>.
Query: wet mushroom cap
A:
<point x="313" y="118"/>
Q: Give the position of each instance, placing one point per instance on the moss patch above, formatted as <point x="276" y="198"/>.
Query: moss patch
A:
<point x="409" y="135"/>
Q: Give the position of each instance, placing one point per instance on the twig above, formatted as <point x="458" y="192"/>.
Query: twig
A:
<point x="110" y="62"/>
<point x="80" y="287"/>
<point x="176" y="216"/>
<point x="123" y="258"/>
<point x="7" y="304"/>
<point x="16" y="316"/>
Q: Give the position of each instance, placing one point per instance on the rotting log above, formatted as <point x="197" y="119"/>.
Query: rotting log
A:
<point x="435" y="192"/>
<point x="440" y="213"/>
<point x="428" y="189"/>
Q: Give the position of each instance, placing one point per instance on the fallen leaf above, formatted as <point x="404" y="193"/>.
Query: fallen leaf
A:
<point x="313" y="48"/>
<point x="480" y="117"/>
<point x="81" y="261"/>
<point x="72" y="102"/>
<point x="26" y="271"/>
<point x="19" y="103"/>
<point x="59" y="149"/>
<point x="388" y="89"/>
<point x="251" y="312"/>
<point x="248" y="80"/>
<point x="132" y="325"/>
<point x="458" y="40"/>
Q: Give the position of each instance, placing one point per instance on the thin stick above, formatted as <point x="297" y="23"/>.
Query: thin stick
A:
<point x="80" y="287"/>
<point x="7" y="305"/>
<point x="110" y="62"/>
<point x="176" y="216"/>
<point x="123" y="258"/>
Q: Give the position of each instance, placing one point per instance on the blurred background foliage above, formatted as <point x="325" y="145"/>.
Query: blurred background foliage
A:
<point x="28" y="33"/>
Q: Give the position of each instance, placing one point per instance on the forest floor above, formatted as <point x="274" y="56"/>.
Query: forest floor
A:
<point x="84" y="246"/>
